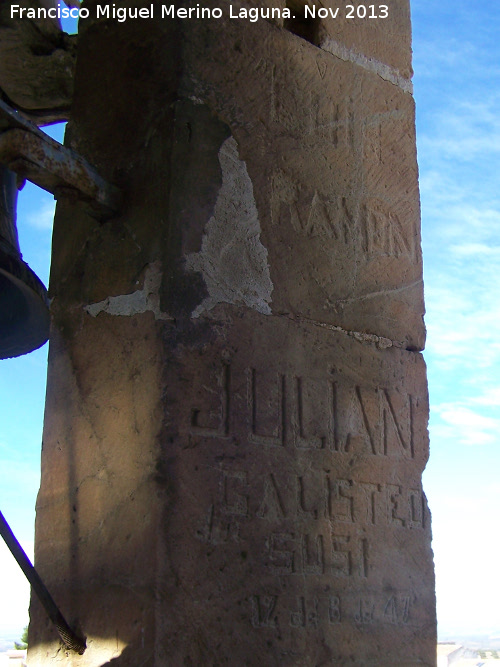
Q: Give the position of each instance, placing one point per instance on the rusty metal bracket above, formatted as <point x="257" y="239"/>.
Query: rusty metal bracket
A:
<point x="34" y="155"/>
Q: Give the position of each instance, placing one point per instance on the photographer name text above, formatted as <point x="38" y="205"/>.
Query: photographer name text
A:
<point x="252" y="14"/>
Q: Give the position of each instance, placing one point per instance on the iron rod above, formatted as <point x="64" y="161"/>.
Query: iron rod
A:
<point x="68" y="636"/>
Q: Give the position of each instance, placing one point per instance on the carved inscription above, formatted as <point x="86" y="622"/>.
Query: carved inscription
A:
<point x="292" y="411"/>
<point x="370" y="226"/>
<point x="383" y="232"/>
<point x="316" y="496"/>
<point x="305" y="616"/>
<point x="263" y="607"/>
<point x="305" y="396"/>
<point x="305" y="481"/>
<point x="314" y="524"/>
<point x="271" y="611"/>
<point x="397" y="609"/>
<point x="317" y="216"/>
<point x="271" y="507"/>
<point x="326" y="118"/>
<point x="234" y="503"/>
<point x="217" y="528"/>
<point x="267" y="425"/>
<point x="291" y="553"/>
<point x="217" y="423"/>
<point x="366" y="611"/>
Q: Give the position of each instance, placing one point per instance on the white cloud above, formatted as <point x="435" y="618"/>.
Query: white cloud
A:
<point x="449" y="54"/>
<point x="462" y="322"/>
<point x="457" y="87"/>
<point x="465" y="426"/>
<point x="458" y="218"/>
<point x="43" y="217"/>
<point x="462" y="292"/>
<point x="463" y="130"/>
<point x="466" y="591"/>
<point x="489" y="397"/>
<point x="475" y="250"/>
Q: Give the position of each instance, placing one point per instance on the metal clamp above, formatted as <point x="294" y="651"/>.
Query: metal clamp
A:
<point x="34" y="155"/>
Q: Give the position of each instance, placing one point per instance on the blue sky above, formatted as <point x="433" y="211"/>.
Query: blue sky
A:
<point x="22" y="395"/>
<point x="457" y="90"/>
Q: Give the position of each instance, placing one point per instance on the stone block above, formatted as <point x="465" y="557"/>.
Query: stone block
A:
<point x="327" y="147"/>
<point x="297" y="531"/>
<point x="236" y="420"/>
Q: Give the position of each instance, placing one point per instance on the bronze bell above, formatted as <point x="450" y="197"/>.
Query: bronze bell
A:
<point x="24" y="312"/>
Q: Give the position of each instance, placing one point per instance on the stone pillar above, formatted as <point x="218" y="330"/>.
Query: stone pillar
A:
<point x="236" y="419"/>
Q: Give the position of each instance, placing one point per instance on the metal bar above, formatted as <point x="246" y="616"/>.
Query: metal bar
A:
<point x="10" y="118"/>
<point x="34" y="155"/>
<point x="69" y="637"/>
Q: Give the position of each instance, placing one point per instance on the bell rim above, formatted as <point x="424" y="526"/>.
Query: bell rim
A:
<point x="36" y="328"/>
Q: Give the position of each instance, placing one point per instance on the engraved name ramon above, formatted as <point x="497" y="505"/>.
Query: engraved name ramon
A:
<point x="371" y="226"/>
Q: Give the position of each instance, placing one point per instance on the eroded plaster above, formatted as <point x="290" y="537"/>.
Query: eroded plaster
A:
<point x="140" y="301"/>
<point x="232" y="260"/>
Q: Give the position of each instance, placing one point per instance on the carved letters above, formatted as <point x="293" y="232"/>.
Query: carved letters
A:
<point x="263" y="607"/>
<point x="383" y="232"/>
<point x="220" y="426"/>
<point x="323" y="118"/>
<point x="312" y="515"/>
<point x="316" y="496"/>
<point x="370" y="225"/>
<point x="312" y="612"/>
<point x="311" y="414"/>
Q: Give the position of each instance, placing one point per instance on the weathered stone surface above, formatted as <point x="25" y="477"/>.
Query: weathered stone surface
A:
<point x="236" y="418"/>
<point x="329" y="148"/>
<point x="98" y="513"/>
<point x="383" y="43"/>
<point x="376" y="36"/>
<point x="97" y="522"/>
<point x="293" y="485"/>
<point x="37" y="62"/>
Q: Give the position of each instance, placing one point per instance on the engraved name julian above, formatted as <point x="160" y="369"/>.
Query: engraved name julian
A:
<point x="281" y="410"/>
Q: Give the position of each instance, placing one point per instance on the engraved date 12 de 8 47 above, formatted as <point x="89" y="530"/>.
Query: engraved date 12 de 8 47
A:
<point x="272" y="611"/>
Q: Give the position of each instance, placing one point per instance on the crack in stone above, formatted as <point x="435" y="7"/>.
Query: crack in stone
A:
<point x="374" y="295"/>
<point x="386" y="72"/>
<point x="381" y="342"/>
